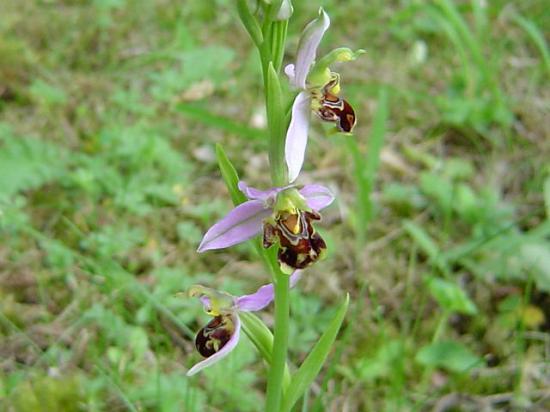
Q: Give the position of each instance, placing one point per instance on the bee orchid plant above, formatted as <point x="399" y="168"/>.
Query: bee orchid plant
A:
<point x="284" y="214"/>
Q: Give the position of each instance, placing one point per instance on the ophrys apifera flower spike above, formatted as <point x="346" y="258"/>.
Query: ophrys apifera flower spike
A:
<point x="221" y="335"/>
<point x="284" y="214"/>
<point x="320" y="89"/>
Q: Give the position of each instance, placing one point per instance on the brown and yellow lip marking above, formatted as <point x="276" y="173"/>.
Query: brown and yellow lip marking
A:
<point x="339" y="111"/>
<point x="333" y="108"/>
<point x="299" y="244"/>
<point x="215" y="335"/>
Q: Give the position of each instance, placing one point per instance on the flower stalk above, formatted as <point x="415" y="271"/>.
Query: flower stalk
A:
<point x="286" y="213"/>
<point x="280" y="343"/>
<point x="277" y="133"/>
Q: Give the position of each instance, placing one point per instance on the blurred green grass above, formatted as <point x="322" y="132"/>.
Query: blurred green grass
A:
<point x="109" y="113"/>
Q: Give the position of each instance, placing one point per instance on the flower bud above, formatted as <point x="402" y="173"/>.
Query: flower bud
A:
<point x="285" y="11"/>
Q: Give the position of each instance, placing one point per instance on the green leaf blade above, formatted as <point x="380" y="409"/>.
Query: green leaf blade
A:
<point x="537" y="37"/>
<point x="427" y="244"/>
<point x="277" y="126"/>
<point x="450" y="296"/>
<point x="311" y="366"/>
<point x="366" y="165"/>
<point x="230" y="176"/>
<point x="250" y="23"/>
<point x="449" y="355"/>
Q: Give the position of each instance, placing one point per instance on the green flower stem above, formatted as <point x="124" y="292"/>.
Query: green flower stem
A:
<point x="271" y="49"/>
<point x="278" y="39"/>
<point x="280" y="343"/>
<point x="255" y="329"/>
<point x="277" y="133"/>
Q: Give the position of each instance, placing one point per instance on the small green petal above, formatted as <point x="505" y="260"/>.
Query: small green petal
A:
<point x="320" y="73"/>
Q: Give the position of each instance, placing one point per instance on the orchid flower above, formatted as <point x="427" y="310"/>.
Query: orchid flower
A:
<point x="320" y="88"/>
<point x="221" y="335"/>
<point x="284" y="214"/>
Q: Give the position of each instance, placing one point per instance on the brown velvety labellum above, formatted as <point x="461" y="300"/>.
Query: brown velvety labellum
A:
<point x="214" y="335"/>
<point x="300" y="245"/>
<point x="346" y="118"/>
<point x="339" y="111"/>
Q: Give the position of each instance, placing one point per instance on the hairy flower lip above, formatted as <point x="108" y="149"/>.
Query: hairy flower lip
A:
<point x="245" y="303"/>
<point x="215" y="335"/>
<point x="223" y="352"/>
<point x="299" y="243"/>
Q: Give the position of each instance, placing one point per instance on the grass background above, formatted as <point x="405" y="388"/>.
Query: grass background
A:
<point x="109" y="112"/>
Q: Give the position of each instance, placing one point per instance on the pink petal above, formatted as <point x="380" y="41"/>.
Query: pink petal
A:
<point x="262" y="297"/>
<point x="242" y="223"/>
<point x="227" y="348"/>
<point x="296" y="135"/>
<point x="307" y="47"/>
<point x="267" y="196"/>
<point x="205" y="300"/>
<point x="295" y="277"/>
<point x="317" y="197"/>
